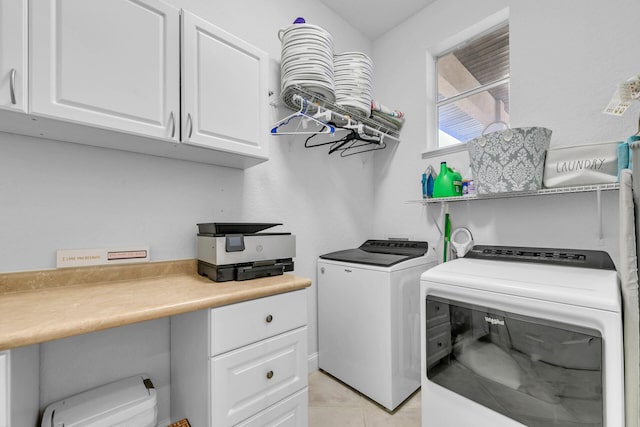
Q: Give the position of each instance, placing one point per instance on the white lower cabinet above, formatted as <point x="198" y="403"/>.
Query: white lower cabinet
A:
<point x="4" y="389"/>
<point x="243" y="364"/>
<point x="19" y="386"/>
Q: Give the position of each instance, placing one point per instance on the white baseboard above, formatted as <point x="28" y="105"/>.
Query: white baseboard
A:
<point x="164" y="423"/>
<point x="312" y="362"/>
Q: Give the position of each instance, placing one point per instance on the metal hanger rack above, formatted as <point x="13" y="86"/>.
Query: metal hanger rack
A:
<point x="315" y="115"/>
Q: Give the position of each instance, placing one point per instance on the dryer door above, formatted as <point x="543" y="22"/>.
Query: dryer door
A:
<point x="535" y="371"/>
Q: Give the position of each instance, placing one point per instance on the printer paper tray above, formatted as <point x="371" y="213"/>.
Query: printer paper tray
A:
<point x="226" y="273"/>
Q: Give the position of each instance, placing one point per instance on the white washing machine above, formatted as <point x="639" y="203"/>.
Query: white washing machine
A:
<point x="369" y="317"/>
<point x="522" y="337"/>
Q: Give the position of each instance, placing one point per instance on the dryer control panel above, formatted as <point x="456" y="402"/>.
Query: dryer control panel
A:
<point x="566" y="257"/>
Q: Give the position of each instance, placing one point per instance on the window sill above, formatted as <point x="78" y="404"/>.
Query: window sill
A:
<point x="438" y="152"/>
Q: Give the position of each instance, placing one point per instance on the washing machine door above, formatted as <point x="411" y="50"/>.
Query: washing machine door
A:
<point x="537" y="372"/>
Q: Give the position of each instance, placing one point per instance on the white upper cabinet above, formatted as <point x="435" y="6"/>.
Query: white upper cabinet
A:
<point x="224" y="90"/>
<point x="108" y="74"/>
<point x="110" y="64"/>
<point x="13" y="55"/>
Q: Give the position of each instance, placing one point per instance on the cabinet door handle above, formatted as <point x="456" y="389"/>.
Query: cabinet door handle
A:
<point x="269" y="319"/>
<point x="269" y="375"/>
<point x="12" y="86"/>
<point x="190" y="123"/>
<point x="172" y="120"/>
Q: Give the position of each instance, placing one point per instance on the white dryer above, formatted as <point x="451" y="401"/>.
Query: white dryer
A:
<point x="369" y="317"/>
<point x="522" y="337"/>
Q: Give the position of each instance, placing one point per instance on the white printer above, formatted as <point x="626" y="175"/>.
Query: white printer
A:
<point x="240" y="251"/>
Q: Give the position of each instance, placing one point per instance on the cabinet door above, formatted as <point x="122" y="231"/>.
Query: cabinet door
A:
<point x="224" y="90"/>
<point x="4" y="389"/>
<point x="112" y="64"/>
<point x="13" y="55"/>
<point x="19" y="385"/>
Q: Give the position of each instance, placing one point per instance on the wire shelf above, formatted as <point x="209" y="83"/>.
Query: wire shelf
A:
<point x="543" y="192"/>
<point x="314" y="99"/>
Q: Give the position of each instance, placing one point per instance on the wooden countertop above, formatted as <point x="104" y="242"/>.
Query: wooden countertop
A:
<point x="44" y="305"/>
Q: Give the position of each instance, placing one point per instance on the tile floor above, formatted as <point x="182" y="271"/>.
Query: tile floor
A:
<point x="333" y="404"/>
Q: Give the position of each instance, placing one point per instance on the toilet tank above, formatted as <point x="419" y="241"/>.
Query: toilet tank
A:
<point x="131" y="401"/>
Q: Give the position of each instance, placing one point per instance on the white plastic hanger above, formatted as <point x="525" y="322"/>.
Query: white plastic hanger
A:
<point x="304" y="120"/>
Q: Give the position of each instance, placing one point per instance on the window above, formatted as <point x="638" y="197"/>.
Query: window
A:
<point x="473" y="86"/>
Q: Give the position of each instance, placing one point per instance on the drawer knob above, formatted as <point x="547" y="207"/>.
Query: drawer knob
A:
<point x="269" y="318"/>
<point x="269" y="375"/>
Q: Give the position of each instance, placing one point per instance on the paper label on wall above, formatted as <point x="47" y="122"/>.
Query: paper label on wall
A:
<point x="86" y="257"/>
<point x="616" y="107"/>
<point x="626" y="93"/>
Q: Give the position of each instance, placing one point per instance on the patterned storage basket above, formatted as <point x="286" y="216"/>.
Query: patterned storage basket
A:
<point x="509" y="160"/>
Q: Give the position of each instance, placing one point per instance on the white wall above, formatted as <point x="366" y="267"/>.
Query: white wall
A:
<point x="565" y="63"/>
<point x="57" y="195"/>
<point x="566" y="60"/>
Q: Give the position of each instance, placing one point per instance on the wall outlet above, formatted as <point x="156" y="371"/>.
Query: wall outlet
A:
<point x="86" y="257"/>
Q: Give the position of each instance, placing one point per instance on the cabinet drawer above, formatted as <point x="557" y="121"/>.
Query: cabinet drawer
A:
<point x="438" y="342"/>
<point x="291" y="412"/>
<point x="237" y="325"/>
<point x="248" y="380"/>
<point x="437" y="313"/>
